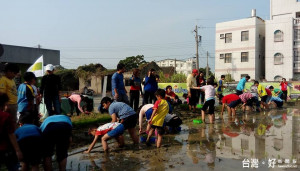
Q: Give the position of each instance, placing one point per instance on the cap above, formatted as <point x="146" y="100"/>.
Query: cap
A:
<point x="195" y="71"/>
<point x="49" y="67"/>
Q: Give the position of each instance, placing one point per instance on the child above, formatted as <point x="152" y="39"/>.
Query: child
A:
<point x="106" y="132"/>
<point x="8" y="86"/>
<point x="56" y="134"/>
<point x="146" y="110"/>
<point x="246" y="99"/>
<point x="220" y="88"/>
<point x="209" y="101"/>
<point x="30" y="141"/>
<point x="124" y="113"/>
<point x="9" y="148"/>
<point x="172" y="121"/>
<point x="74" y="101"/>
<point x="276" y="101"/>
<point x="26" y="96"/>
<point x="232" y="100"/>
<point x="160" y="110"/>
<point x="277" y="92"/>
<point x="255" y="96"/>
<point x="261" y="91"/>
<point x="283" y="86"/>
<point x="170" y="95"/>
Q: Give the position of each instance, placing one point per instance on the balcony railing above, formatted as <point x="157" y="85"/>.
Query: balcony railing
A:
<point x="297" y="58"/>
<point x="297" y="21"/>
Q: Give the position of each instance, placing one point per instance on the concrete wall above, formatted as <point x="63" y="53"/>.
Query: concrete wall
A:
<point x="96" y="84"/>
<point x="183" y="67"/>
<point x="253" y="46"/>
<point x="27" y="55"/>
<point x="283" y="8"/>
<point x="285" y="48"/>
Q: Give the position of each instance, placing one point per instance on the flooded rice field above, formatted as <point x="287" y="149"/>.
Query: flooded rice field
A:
<point x="268" y="140"/>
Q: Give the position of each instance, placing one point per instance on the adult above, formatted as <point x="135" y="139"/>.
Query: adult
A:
<point x="191" y="84"/>
<point x="123" y="113"/>
<point x="201" y="82"/>
<point x="135" y="89"/>
<point x="8" y="86"/>
<point x="241" y="85"/>
<point x="50" y="89"/>
<point x="283" y="87"/>
<point x="56" y="134"/>
<point x="118" y="88"/>
<point x="151" y="85"/>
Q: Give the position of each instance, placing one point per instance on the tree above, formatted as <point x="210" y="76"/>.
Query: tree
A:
<point x="133" y="61"/>
<point x="86" y="71"/>
<point x="204" y="71"/>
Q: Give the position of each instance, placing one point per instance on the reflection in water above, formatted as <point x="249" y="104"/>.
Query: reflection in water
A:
<point x="272" y="134"/>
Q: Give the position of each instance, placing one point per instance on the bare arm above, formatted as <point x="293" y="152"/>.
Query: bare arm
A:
<point x="13" y="140"/>
<point x="223" y="106"/>
<point x="92" y="144"/>
<point x="141" y="115"/>
<point x="114" y="118"/>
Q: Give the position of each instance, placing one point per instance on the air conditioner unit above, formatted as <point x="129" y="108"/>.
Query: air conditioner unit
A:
<point x="222" y="36"/>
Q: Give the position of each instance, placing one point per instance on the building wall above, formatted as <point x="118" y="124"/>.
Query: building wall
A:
<point x="183" y="67"/>
<point x="27" y="55"/>
<point x="285" y="48"/>
<point x="253" y="46"/>
<point x="283" y="8"/>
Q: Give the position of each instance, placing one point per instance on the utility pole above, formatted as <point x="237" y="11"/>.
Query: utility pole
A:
<point x="207" y="65"/>
<point x="175" y="66"/>
<point x="197" y="37"/>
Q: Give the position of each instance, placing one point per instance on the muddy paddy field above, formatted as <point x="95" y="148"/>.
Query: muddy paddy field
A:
<point x="253" y="140"/>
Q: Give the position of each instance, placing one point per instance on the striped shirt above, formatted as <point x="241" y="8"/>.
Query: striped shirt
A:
<point x="245" y="96"/>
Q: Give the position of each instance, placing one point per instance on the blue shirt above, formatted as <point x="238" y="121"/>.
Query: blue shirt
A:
<point x="150" y="84"/>
<point x="117" y="82"/>
<point x="24" y="95"/>
<point x="276" y="99"/>
<point x="241" y="84"/>
<point x="122" y="110"/>
<point x="27" y="130"/>
<point x="55" y="118"/>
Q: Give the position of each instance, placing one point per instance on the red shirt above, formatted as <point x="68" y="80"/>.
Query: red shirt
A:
<point x="230" y="98"/>
<point x="269" y="92"/>
<point x="172" y="94"/>
<point x="7" y="126"/>
<point x="284" y="86"/>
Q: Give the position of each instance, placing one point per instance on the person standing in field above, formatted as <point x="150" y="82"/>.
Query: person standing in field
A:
<point x="150" y="87"/>
<point x="201" y="82"/>
<point x="50" y="89"/>
<point x="8" y="86"/>
<point x="283" y="87"/>
<point x="135" y="89"/>
<point x="220" y="88"/>
<point x="118" y="88"/>
<point x="191" y="85"/>
<point x="241" y="85"/>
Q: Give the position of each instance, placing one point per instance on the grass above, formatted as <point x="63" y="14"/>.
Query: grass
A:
<point x="93" y="118"/>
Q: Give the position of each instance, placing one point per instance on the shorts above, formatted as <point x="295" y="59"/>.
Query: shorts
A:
<point x="264" y="98"/>
<point x="119" y="130"/>
<point x="279" y="104"/>
<point x="234" y="104"/>
<point x="250" y="102"/>
<point x="148" y="114"/>
<point x="130" y="121"/>
<point x="209" y="104"/>
<point x="160" y="129"/>
<point x="57" y="134"/>
<point x="31" y="148"/>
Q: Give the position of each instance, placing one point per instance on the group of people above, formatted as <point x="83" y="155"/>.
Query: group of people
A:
<point x="23" y="136"/>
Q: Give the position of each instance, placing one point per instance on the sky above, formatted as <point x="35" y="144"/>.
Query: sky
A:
<point x="106" y="31"/>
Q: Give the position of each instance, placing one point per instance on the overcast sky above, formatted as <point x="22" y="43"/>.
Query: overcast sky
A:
<point x="98" y="31"/>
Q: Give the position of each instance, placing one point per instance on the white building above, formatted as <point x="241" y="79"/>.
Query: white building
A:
<point x="283" y="40"/>
<point x="240" y="48"/>
<point x="181" y="66"/>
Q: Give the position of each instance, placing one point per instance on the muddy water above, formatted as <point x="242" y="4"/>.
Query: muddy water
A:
<point x="274" y="134"/>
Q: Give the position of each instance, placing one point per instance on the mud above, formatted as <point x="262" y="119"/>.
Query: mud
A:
<point x="273" y="134"/>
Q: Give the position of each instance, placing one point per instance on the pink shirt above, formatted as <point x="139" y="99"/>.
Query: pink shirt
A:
<point x="245" y="96"/>
<point x="76" y="98"/>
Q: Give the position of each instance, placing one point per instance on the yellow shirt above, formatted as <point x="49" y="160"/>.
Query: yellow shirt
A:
<point x="162" y="107"/>
<point x="8" y="86"/>
<point x="261" y="90"/>
<point x="191" y="82"/>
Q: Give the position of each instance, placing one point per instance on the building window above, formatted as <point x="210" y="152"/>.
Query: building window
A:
<point x="245" y="36"/>
<point x="244" y="57"/>
<point x="297" y="34"/>
<point x="278" y="36"/>
<point x="221" y="56"/>
<point x="297" y="55"/>
<point x="278" y="59"/>
<point x="298" y="14"/>
<point x="228" y="58"/>
<point x="228" y="37"/>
